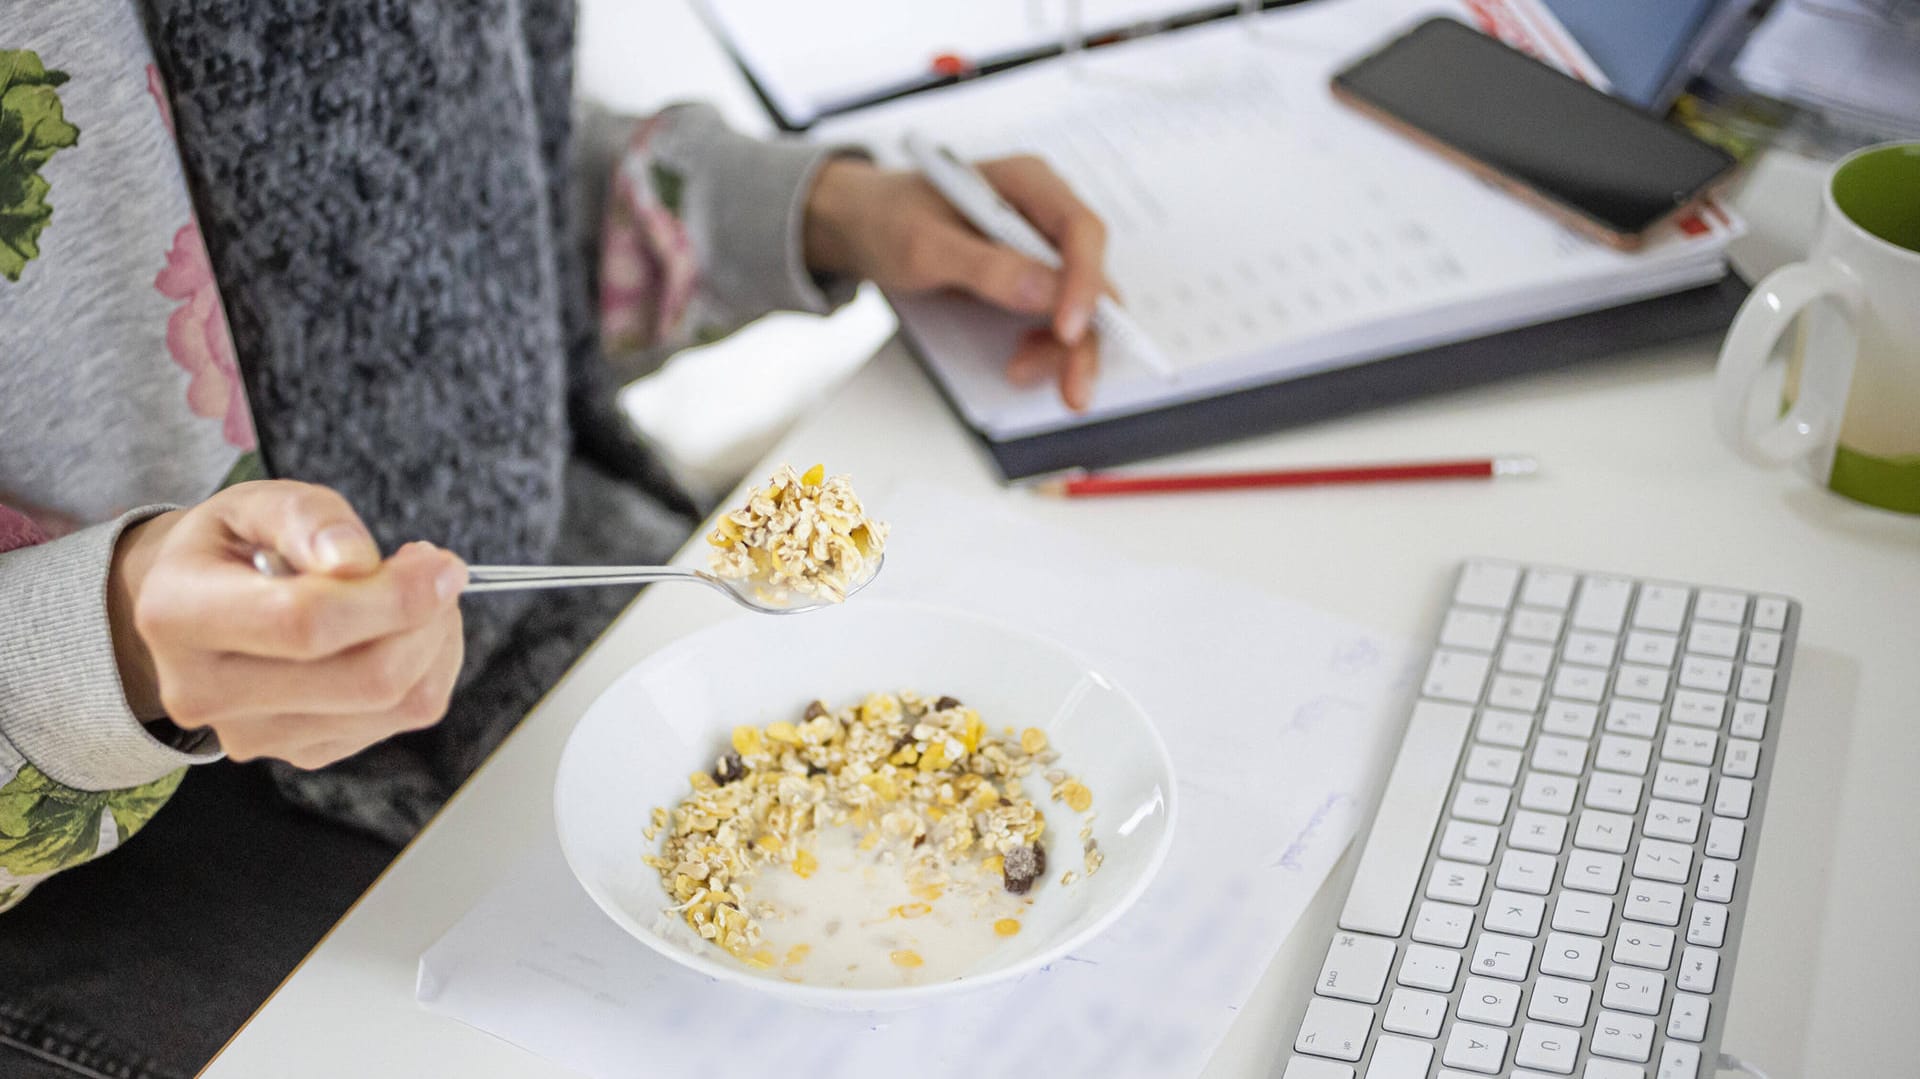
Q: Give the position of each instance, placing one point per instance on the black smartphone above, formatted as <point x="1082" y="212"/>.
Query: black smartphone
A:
<point x="1598" y="163"/>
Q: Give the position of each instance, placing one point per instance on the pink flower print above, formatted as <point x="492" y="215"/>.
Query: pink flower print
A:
<point x="648" y="271"/>
<point x="198" y="340"/>
<point x="158" y="88"/>
<point x="18" y="530"/>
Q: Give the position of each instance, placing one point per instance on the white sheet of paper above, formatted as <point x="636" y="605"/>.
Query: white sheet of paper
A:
<point x="1280" y="720"/>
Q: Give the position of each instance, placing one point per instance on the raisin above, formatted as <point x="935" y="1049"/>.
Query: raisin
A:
<point x="918" y="840"/>
<point x="901" y="743"/>
<point x="815" y="770"/>
<point x="815" y="710"/>
<point x="1021" y="866"/>
<point x="730" y="768"/>
<point x="945" y="703"/>
<point x="1039" y="860"/>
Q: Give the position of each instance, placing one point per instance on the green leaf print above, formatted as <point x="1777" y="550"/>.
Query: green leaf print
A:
<point x="669" y="185"/>
<point x="32" y="128"/>
<point x="46" y="827"/>
<point x="248" y="467"/>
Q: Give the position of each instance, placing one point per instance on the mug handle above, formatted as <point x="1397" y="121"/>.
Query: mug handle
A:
<point x="1812" y="425"/>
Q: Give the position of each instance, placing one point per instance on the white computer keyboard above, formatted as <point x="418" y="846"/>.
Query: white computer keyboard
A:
<point x="1555" y="881"/>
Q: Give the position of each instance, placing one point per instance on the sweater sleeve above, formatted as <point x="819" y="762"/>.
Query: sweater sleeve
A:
<point x="699" y="229"/>
<point x="79" y="774"/>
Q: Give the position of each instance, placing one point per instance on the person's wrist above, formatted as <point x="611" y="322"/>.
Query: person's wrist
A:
<point x="833" y="205"/>
<point x="133" y="558"/>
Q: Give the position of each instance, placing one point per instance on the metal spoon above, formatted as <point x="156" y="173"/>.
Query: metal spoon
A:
<point x="747" y="593"/>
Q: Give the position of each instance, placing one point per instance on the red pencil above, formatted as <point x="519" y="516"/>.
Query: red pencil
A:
<point x="1087" y="485"/>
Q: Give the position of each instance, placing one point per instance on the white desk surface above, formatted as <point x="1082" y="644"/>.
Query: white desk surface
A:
<point x="1633" y="481"/>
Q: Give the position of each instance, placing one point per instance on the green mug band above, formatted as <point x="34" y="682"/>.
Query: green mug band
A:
<point x="1888" y="482"/>
<point x="1876" y="190"/>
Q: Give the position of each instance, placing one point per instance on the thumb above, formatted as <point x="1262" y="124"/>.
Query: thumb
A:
<point x="999" y="275"/>
<point x="310" y="526"/>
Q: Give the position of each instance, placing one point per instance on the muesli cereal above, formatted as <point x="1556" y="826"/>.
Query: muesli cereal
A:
<point x="921" y="783"/>
<point x="805" y="535"/>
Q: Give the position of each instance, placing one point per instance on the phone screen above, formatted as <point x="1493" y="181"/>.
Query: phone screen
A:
<point x="1566" y="140"/>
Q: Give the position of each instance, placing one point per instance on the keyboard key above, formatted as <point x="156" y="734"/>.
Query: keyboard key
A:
<point x="1640" y="683"/>
<point x="1658" y="859"/>
<point x="1569" y="718"/>
<point x="1467" y="842"/>
<point x="1763" y="648"/>
<point x="1672" y="820"/>
<point x="1688" y="1020"/>
<point x="1643" y="946"/>
<point x="1756" y="683"/>
<point x="1548" y="588"/>
<point x="1662" y="607"/>
<point x="1681" y="782"/>
<point x="1591" y="649"/>
<point x="1566" y="756"/>
<point x="1550" y="1047"/>
<point x="1473" y="630"/>
<point x="1445" y="924"/>
<point x="1456" y="882"/>
<point x="1334" y="1028"/>
<point x="1519" y="657"/>
<point x="1720" y="607"/>
<point x="1623" y="753"/>
<point x="1653" y="901"/>
<point x="1724" y="837"/>
<point x="1557" y="1000"/>
<point x="1547" y="793"/>
<point x="1399" y="1058"/>
<point x="1734" y="798"/>
<point x="1476" y="1048"/>
<point x="1580" y="683"/>
<point x="1430" y="968"/>
<point x="1593" y="871"/>
<point x="1481" y="802"/>
<point x="1492" y="764"/>
<point x="1712" y="675"/>
<point x="1500" y="727"/>
<point x="1653" y="649"/>
<point x="1515" y="691"/>
<point x="1770" y="612"/>
<point x="1749" y="720"/>
<point x="1532" y="625"/>
<point x="1599" y="830"/>
<point x="1618" y="793"/>
<point x="1717" y="877"/>
<point x="1456" y="676"/>
<point x="1410" y="1011"/>
<point x="1698" y="969"/>
<point x="1697" y="709"/>
<point x="1569" y="955"/>
<point x="1637" y="718"/>
<point x="1712" y="639"/>
<point x="1487" y="584"/>
<point x="1515" y="912"/>
<point x="1611" y="1069"/>
<point x="1577" y="912"/>
<point x="1637" y="991"/>
<point x="1356" y="968"/>
<point x="1707" y="925"/>
<point x="1308" y="1068"/>
<point x="1622" y="1037"/>
<point x="1539" y="832"/>
<point x="1483" y="1000"/>
<point x="1602" y="605"/>
<point x="1743" y="758"/>
<point x="1525" y="871"/>
<point x="1499" y="956"/>
<point x="1677" y="1061"/>
<point x="1689" y="745"/>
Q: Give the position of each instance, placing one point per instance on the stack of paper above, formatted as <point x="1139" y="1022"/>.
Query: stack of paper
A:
<point x="1279" y="719"/>
<point x="1259" y="230"/>
<point x="1856" y="60"/>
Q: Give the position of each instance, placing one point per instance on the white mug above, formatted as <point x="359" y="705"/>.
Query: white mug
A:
<point x="1851" y="419"/>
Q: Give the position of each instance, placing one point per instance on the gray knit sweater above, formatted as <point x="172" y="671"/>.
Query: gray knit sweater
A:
<point x="403" y="209"/>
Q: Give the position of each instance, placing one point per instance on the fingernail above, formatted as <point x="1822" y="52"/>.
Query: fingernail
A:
<point x="1035" y="289"/>
<point x="336" y="545"/>
<point x="1073" y="325"/>
<point x="448" y="582"/>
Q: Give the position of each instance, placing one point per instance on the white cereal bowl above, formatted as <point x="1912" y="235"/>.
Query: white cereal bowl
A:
<point x="671" y="715"/>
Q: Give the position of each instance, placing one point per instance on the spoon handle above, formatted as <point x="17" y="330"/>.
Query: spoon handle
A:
<point x="510" y="578"/>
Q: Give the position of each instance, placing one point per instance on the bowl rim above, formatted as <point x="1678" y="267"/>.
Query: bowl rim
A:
<point x="852" y="997"/>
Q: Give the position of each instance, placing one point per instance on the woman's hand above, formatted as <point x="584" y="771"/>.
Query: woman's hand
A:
<point x="309" y="668"/>
<point x="895" y="229"/>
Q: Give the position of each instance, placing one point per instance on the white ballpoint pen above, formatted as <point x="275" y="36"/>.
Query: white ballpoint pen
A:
<point x="970" y="193"/>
